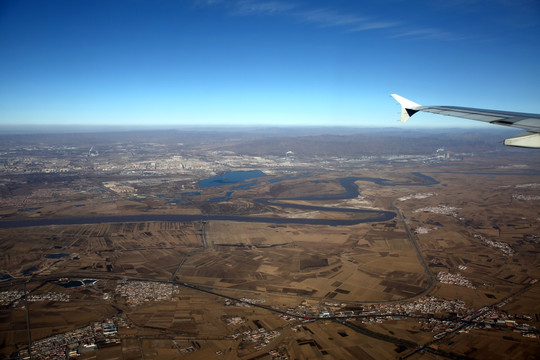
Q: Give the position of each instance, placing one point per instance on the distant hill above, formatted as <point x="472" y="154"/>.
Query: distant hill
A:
<point x="375" y="143"/>
<point x="303" y="141"/>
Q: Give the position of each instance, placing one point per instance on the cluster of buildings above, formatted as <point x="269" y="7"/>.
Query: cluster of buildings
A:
<point x="437" y="326"/>
<point x="49" y="296"/>
<point x="504" y="247"/>
<point x="31" y="164"/>
<point x="260" y="337"/>
<point x="15" y="296"/>
<point x="423" y="230"/>
<point x="244" y="302"/>
<point x="9" y="296"/>
<point x="488" y="319"/>
<point x="492" y="318"/>
<point x="425" y="305"/>
<point x="461" y="318"/>
<point x="532" y="186"/>
<point x="279" y="354"/>
<point x="528" y="186"/>
<point x="138" y="292"/>
<point x="454" y="279"/>
<point x="288" y="317"/>
<point x="157" y="159"/>
<point x="76" y="342"/>
<point x="119" y="188"/>
<point x="417" y="196"/>
<point x="441" y="209"/>
<point x="525" y="197"/>
<point x="430" y="313"/>
<point x="148" y="158"/>
<point x="235" y="320"/>
<point x="252" y="301"/>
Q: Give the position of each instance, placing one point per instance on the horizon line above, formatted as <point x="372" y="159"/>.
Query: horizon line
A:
<point x="62" y="129"/>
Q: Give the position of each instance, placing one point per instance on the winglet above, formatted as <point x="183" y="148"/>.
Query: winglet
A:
<point x="408" y="107"/>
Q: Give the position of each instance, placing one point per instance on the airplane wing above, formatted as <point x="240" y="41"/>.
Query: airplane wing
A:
<point x="528" y="122"/>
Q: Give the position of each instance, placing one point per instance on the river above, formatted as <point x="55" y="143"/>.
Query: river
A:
<point x="351" y="191"/>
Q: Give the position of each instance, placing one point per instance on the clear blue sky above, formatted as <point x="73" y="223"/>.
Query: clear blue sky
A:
<point x="263" y="62"/>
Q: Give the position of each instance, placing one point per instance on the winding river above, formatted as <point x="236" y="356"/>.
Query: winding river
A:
<point x="351" y="191"/>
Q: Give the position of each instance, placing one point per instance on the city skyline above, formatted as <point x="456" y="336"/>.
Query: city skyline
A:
<point x="262" y="63"/>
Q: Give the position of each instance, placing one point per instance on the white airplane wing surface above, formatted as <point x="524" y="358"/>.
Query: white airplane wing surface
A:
<point x="528" y="122"/>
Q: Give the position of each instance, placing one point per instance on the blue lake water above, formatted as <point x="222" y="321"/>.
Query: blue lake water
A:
<point x="77" y="283"/>
<point x="4" y="276"/>
<point x="27" y="209"/>
<point x="227" y="197"/>
<point x="73" y="283"/>
<point x="192" y="193"/>
<point x="29" y="271"/>
<point x="229" y="178"/>
<point x="55" y="256"/>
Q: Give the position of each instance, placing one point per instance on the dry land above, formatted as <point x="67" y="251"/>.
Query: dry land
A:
<point x="452" y="274"/>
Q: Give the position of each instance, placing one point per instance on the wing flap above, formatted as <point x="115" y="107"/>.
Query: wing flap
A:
<point x="528" y="140"/>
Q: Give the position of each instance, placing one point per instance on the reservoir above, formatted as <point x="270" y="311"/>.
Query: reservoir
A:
<point x="229" y="178"/>
<point x="77" y="283"/>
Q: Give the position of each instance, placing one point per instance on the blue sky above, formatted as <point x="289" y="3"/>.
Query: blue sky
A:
<point x="263" y="62"/>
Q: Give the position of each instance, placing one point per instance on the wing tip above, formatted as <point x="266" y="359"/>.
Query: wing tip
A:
<point x="408" y="107"/>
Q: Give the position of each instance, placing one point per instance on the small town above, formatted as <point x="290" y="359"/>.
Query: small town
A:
<point x="502" y="246"/>
<point x="454" y="279"/>
<point x="76" y="342"/>
<point x="15" y="296"/>
<point x="139" y="292"/>
<point x="427" y="310"/>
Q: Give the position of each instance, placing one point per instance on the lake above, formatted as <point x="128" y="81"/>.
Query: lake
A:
<point x="229" y="178"/>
